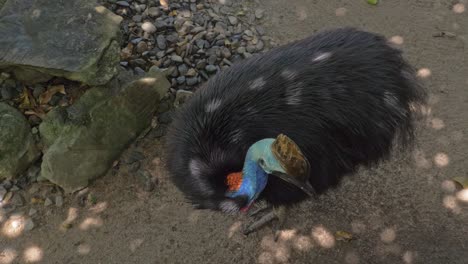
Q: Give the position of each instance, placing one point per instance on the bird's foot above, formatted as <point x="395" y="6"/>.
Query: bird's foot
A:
<point x="275" y="213"/>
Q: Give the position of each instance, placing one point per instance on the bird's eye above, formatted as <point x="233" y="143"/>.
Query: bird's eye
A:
<point x="261" y="162"/>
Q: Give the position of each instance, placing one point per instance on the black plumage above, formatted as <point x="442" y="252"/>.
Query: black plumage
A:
<point x="343" y="95"/>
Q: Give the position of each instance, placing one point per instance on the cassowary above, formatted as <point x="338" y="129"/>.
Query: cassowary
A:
<point x="344" y="96"/>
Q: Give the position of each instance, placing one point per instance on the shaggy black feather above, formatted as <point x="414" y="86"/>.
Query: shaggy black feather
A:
<point x="343" y="95"/>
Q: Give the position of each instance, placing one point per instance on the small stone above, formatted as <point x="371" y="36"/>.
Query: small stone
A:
<point x="259" y="13"/>
<point x="201" y="64"/>
<point x="124" y="63"/>
<point x="123" y="3"/>
<point x="154" y="12"/>
<point x="226" y="52"/>
<point x="28" y="225"/>
<point x="7" y="184"/>
<point x="183" y="69"/>
<point x="161" y="42"/>
<point x="210" y="68"/>
<point x="241" y="50"/>
<point x="259" y="45"/>
<point x="233" y="20"/>
<point x="148" y="27"/>
<point x="192" y="81"/>
<point x="17" y="200"/>
<point x="48" y="202"/>
<point x="142" y="47"/>
<point x="212" y="59"/>
<point x="191" y="72"/>
<point x="38" y="90"/>
<point x="249" y="33"/>
<point x="32" y="212"/>
<point x="181" y="97"/>
<point x="58" y="201"/>
<point x="139" y="71"/>
<point x="176" y="58"/>
<point x="181" y="79"/>
<point x="251" y="48"/>
<point x="137" y="18"/>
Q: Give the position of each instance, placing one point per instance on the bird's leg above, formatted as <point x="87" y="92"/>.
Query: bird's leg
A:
<point x="277" y="212"/>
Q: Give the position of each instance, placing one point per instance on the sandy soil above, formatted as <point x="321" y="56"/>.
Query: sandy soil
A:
<point x="401" y="212"/>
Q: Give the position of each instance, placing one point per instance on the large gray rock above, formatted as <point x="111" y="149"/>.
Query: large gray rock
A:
<point x="82" y="141"/>
<point x="17" y="148"/>
<point x="74" y="39"/>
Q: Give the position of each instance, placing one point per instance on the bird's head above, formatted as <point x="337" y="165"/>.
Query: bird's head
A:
<point x="267" y="157"/>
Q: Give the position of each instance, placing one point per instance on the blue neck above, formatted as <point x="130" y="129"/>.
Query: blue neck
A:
<point x="254" y="177"/>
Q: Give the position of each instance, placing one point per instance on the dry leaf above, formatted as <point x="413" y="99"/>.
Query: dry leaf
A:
<point x="45" y="97"/>
<point x="344" y="236"/>
<point x="26" y="100"/>
<point x="36" y="200"/>
<point x="461" y="182"/>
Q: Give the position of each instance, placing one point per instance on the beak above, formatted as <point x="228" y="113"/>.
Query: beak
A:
<point x="304" y="186"/>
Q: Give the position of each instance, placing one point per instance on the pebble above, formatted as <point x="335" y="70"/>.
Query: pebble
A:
<point x="210" y="68"/>
<point x="181" y="79"/>
<point x="181" y="97"/>
<point x="161" y="42"/>
<point x="142" y="47"/>
<point x="176" y="58"/>
<point x="32" y="212"/>
<point x="7" y="184"/>
<point x="192" y="81"/>
<point x="259" y="13"/>
<point x="17" y="200"/>
<point x="123" y="3"/>
<point x="28" y="225"/>
<point x="48" y="202"/>
<point x="241" y="50"/>
<point x="191" y="72"/>
<point x="139" y="71"/>
<point x="58" y="201"/>
<point x="154" y="12"/>
<point x="233" y="20"/>
<point x="137" y="18"/>
<point x="148" y="27"/>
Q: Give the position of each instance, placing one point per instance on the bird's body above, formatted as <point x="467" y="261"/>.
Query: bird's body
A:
<point x="342" y="95"/>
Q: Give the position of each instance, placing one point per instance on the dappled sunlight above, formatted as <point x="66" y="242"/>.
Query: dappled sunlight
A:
<point x="441" y="160"/>
<point x="450" y="202"/>
<point x="91" y="222"/>
<point x="449" y="186"/>
<point x="388" y="235"/>
<point x="437" y="123"/>
<point x="99" y="207"/>
<point x="341" y="11"/>
<point x="83" y="249"/>
<point x="15" y="225"/>
<point x="462" y="196"/>
<point x="409" y="257"/>
<point x="424" y="73"/>
<point x="393" y="249"/>
<point x="8" y="255"/>
<point x="302" y="243"/>
<point x="323" y="237"/>
<point x="397" y="40"/>
<point x="458" y="8"/>
<point x="33" y="254"/>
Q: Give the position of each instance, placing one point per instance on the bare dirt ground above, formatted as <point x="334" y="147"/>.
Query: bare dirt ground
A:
<point x="400" y="212"/>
